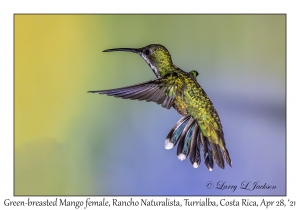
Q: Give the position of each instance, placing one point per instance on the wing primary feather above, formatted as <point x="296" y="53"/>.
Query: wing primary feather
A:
<point x="128" y="95"/>
<point x="119" y="90"/>
<point x="139" y="94"/>
<point x="147" y="94"/>
<point x="158" y="96"/>
<point x="165" y="102"/>
<point x="132" y="91"/>
<point x="169" y="102"/>
<point x="161" y="98"/>
<point x="126" y="92"/>
<point x="155" y="90"/>
<point x="154" y="93"/>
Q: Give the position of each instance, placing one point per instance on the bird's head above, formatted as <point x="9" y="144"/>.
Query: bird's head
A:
<point x="155" y="55"/>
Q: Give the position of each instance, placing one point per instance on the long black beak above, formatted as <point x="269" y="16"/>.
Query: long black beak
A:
<point x="123" y="49"/>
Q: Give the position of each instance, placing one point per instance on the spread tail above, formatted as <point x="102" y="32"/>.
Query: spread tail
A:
<point x="190" y="139"/>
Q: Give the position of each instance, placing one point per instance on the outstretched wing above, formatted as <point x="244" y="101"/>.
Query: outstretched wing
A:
<point x="161" y="90"/>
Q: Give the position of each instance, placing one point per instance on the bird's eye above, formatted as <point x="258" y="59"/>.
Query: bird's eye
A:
<point x="147" y="52"/>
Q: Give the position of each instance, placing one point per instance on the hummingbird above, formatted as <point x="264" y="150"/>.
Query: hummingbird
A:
<point x="200" y="125"/>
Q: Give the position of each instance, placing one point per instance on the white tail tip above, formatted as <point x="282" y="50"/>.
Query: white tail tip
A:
<point x="181" y="156"/>
<point x="168" y="144"/>
<point x="210" y="169"/>
<point x="195" y="165"/>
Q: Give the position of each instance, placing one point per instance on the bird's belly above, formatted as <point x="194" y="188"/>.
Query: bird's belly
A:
<point x="180" y="106"/>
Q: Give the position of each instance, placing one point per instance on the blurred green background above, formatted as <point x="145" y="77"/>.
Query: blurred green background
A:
<point x="68" y="142"/>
